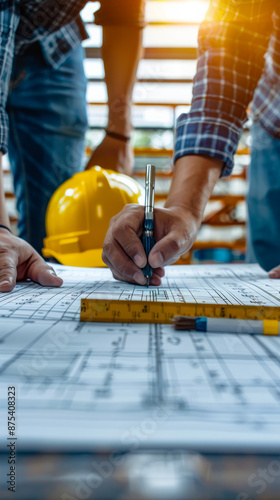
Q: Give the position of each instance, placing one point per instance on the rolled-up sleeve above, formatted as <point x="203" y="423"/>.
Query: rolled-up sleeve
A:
<point x="9" y="20"/>
<point x="123" y="12"/>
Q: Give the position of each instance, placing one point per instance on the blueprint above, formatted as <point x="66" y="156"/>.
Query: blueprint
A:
<point x="87" y="385"/>
<point x="215" y="284"/>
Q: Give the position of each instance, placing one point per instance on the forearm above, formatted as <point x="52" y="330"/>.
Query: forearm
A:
<point x="121" y="51"/>
<point x="4" y="219"/>
<point x="193" y="180"/>
<point x="122" y="44"/>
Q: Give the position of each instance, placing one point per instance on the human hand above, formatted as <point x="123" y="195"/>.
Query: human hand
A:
<point x="18" y="261"/>
<point x="175" y="232"/>
<point x="113" y="154"/>
<point x="274" y="273"/>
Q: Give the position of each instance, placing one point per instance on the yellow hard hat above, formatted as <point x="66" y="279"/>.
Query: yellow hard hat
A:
<point x="79" y="213"/>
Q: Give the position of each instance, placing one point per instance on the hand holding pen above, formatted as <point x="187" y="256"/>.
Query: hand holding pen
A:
<point x="174" y="230"/>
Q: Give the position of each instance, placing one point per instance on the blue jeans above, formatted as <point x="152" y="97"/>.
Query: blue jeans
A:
<point x="263" y="237"/>
<point x="47" y="113"/>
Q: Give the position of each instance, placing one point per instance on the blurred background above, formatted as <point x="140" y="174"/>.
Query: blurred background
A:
<point x="163" y="91"/>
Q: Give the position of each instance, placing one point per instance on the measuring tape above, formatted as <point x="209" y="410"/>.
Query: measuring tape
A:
<point x="122" y="311"/>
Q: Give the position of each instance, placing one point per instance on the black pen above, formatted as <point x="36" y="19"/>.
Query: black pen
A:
<point x="148" y="232"/>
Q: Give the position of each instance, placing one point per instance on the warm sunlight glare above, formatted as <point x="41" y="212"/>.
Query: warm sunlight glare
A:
<point x="189" y="11"/>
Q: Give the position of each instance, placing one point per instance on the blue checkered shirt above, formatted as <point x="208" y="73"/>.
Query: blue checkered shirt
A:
<point x="238" y="64"/>
<point x="58" y="28"/>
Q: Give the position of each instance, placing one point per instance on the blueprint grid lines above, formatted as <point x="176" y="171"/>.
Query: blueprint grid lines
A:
<point x="90" y="383"/>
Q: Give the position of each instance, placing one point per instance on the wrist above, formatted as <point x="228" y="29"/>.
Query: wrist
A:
<point x="120" y="121"/>
<point x="117" y="136"/>
<point x="193" y="180"/>
<point x="5" y="228"/>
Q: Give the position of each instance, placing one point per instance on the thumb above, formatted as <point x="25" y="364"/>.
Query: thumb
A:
<point x="168" y="249"/>
<point x="42" y="273"/>
<point x="274" y="273"/>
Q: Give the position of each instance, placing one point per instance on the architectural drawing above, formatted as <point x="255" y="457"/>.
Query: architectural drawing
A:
<point x="134" y="386"/>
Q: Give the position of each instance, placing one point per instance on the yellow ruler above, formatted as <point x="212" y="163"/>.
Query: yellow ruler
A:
<point x="122" y="311"/>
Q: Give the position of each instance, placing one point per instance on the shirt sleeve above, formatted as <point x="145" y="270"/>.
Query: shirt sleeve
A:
<point x="9" y="19"/>
<point x="232" y="42"/>
<point x="124" y="12"/>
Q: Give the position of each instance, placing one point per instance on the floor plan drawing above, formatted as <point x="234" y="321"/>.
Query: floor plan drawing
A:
<point x="91" y="383"/>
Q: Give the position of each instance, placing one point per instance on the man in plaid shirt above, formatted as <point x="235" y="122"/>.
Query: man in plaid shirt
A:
<point x="239" y="60"/>
<point x="43" y="111"/>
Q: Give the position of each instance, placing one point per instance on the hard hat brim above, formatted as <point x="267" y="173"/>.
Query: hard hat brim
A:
<point x="89" y="258"/>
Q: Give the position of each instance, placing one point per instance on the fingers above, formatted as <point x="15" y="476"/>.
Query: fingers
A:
<point x="125" y="231"/>
<point x="175" y="230"/>
<point x="113" y="155"/>
<point x="8" y="272"/>
<point x="122" y="267"/>
<point x="154" y="281"/>
<point x="18" y="260"/>
<point x="123" y="251"/>
<point x="168" y="249"/>
<point x="42" y="273"/>
<point x="121" y="277"/>
<point x="132" y="246"/>
<point x="159" y="271"/>
<point x="274" y="273"/>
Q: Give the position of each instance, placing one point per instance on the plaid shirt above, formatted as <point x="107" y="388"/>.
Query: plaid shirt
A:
<point x="55" y="25"/>
<point x="238" y="59"/>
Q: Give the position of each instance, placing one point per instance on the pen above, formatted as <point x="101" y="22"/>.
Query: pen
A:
<point x="148" y="231"/>
<point x="227" y="325"/>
